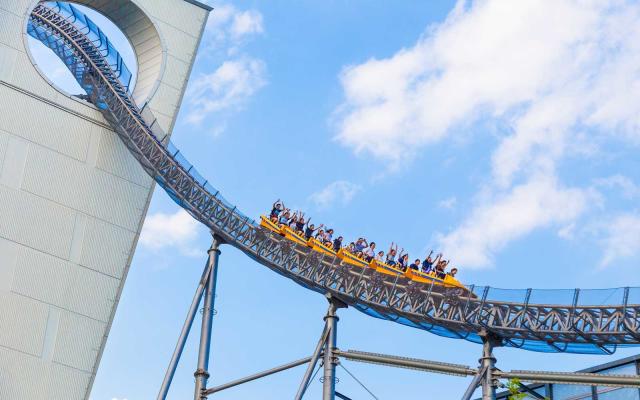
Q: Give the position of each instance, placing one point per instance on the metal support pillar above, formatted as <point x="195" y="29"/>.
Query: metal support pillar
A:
<point x="202" y="373"/>
<point x="330" y="359"/>
<point x="186" y="328"/>
<point x="312" y="363"/>
<point x="487" y="364"/>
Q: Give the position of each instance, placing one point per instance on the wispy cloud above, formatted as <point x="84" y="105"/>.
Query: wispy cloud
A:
<point x="448" y="204"/>
<point x="629" y="189"/>
<point x="502" y="218"/>
<point x="338" y="192"/>
<point x="177" y="231"/>
<point x="226" y="89"/>
<point x="492" y="60"/>
<point x="622" y="239"/>
<point x="236" y="76"/>
<point x="228" y="26"/>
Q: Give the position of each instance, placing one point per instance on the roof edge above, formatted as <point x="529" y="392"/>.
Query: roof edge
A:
<point x="199" y="4"/>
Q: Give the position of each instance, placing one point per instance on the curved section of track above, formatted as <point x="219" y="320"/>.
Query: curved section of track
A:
<point x="595" y="321"/>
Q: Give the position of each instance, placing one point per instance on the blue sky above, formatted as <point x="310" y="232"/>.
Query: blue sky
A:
<point x="502" y="133"/>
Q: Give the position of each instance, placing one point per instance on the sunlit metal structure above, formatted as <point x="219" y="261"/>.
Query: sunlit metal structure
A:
<point x="577" y="321"/>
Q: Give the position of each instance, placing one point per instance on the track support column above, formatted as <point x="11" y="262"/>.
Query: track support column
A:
<point x="202" y="373"/>
<point x="330" y="359"/>
<point x="487" y="364"/>
<point x="184" y="334"/>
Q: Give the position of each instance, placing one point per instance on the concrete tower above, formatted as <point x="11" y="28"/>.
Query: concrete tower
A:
<point x="72" y="199"/>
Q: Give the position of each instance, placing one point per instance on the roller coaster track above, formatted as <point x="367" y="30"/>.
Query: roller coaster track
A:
<point x="570" y="325"/>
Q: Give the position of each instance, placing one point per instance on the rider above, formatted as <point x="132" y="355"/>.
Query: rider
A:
<point x="440" y="267"/>
<point x="427" y="264"/>
<point x="284" y="217"/>
<point x="277" y="208"/>
<point x="369" y="252"/>
<point x="337" y="243"/>
<point x="391" y="255"/>
<point x="311" y="228"/>
<point x="403" y="260"/>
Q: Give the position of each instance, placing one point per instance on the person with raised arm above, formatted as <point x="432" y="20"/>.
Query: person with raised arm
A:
<point x="276" y="209"/>
<point x="361" y="244"/>
<point x="440" y="268"/>
<point x="403" y="260"/>
<point x="300" y="224"/>
<point x="427" y="264"/>
<point x="311" y="229"/>
<point x="391" y="254"/>
<point x="285" y="216"/>
<point x="293" y="221"/>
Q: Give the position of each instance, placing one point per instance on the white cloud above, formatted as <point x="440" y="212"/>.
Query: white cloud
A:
<point x="622" y="240"/>
<point x="227" y="88"/>
<point x="448" y="204"/>
<point x="237" y="76"/>
<point x="247" y="23"/>
<point x="553" y="73"/>
<point x="500" y="219"/>
<point x="165" y="231"/>
<point x="338" y="192"/>
<point x="626" y="186"/>
<point x="227" y="26"/>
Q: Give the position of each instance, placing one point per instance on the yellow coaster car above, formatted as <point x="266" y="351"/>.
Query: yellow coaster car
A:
<point x="351" y="259"/>
<point x="319" y="247"/>
<point x="268" y="224"/>
<point x="385" y="268"/>
<point x="293" y="236"/>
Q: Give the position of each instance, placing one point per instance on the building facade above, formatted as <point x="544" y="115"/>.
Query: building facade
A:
<point x="625" y="366"/>
<point x="72" y="199"/>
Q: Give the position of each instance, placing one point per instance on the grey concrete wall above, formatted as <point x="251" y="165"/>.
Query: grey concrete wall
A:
<point x="72" y="200"/>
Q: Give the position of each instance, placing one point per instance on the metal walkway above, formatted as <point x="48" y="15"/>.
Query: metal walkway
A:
<point x="578" y="321"/>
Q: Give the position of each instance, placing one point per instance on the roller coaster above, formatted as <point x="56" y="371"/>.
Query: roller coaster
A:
<point x="572" y="321"/>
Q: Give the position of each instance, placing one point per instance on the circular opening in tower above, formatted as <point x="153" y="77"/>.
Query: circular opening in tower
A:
<point x="124" y="33"/>
<point x="55" y="67"/>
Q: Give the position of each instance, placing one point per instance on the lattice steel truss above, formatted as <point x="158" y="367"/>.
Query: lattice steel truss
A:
<point x="547" y="327"/>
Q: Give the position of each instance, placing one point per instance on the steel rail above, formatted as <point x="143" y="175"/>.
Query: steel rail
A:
<point x="393" y="298"/>
<point x="409" y="363"/>
<point x="571" y="378"/>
